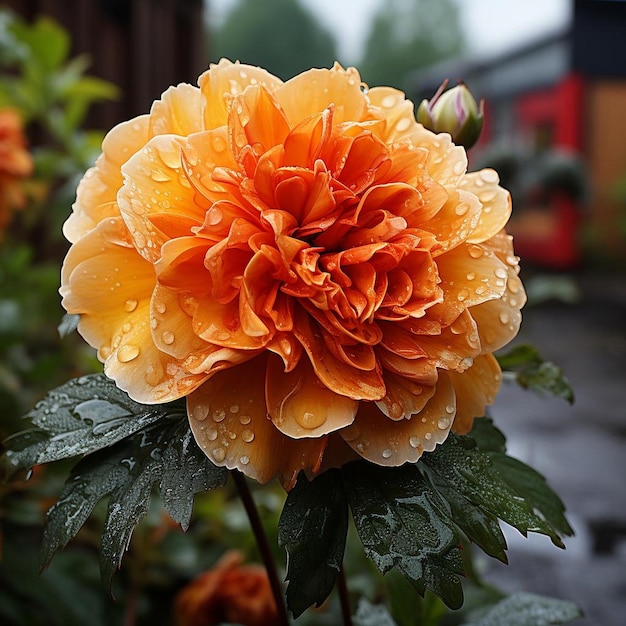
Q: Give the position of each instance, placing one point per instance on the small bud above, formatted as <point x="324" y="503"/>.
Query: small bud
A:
<point x="455" y="112"/>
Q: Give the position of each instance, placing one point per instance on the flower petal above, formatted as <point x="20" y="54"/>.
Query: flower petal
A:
<point x="475" y="388"/>
<point x="386" y="442"/>
<point x="228" y="419"/>
<point x="300" y="405"/>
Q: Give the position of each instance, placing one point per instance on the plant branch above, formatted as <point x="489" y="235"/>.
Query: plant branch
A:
<point x="262" y="544"/>
<point x="342" y="589"/>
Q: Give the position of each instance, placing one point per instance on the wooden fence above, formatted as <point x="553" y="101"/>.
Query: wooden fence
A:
<point x="142" y="46"/>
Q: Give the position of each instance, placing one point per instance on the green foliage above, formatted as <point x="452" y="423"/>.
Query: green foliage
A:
<point x="313" y="528"/>
<point x="532" y="372"/>
<point x="279" y="35"/>
<point x="408" y="35"/>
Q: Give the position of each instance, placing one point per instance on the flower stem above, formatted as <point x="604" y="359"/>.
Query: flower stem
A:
<point x="263" y="546"/>
<point x="342" y="589"/>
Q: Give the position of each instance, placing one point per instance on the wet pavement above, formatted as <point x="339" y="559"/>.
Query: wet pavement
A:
<point x="580" y="449"/>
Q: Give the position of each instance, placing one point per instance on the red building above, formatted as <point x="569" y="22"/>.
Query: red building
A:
<point x="556" y="132"/>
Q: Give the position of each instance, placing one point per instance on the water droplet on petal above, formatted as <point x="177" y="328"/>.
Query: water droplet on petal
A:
<point x="414" y="442"/>
<point x="219" y="454"/>
<point x="200" y="412"/>
<point x="504" y="317"/>
<point x="127" y="353"/>
<point x="386" y="453"/>
<point x="234" y="408"/>
<point x="130" y="305"/>
<point x="214" y="216"/>
<point x="428" y="436"/>
<point x="247" y="435"/>
<point x="219" y="415"/>
<point x="443" y="423"/>
<point x="500" y="272"/>
<point x="211" y="434"/>
<point x="160" y="307"/>
<point x="244" y="460"/>
<point x="244" y="419"/>
<point x="475" y="252"/>
<point x="167" y="337"/>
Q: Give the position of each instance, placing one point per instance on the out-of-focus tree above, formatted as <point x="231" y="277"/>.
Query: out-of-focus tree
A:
<point x="281" y="36"/>
<point x="410" y="34"/>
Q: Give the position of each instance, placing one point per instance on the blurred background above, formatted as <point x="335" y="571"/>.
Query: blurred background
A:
<point x="553" y="77"/>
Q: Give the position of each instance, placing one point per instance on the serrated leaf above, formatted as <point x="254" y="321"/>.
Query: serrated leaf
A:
<point x="479" y="526"/>
<point x="162" y="454"/>
<point x="79" y="417"/>
<point x="532" y="372"/>
<point x="313" y="527"/>
<point x="527" y="609"/>
<point x="403" y="523"/>
<point x="462" y="466"/>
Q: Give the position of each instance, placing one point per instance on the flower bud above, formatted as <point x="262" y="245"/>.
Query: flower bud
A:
<point x="455" y="112"/>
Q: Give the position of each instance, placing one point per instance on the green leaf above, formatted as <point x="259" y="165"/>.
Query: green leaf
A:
<point x="49" y="43"/>
<point x="313" y="527"/>
<point x="487" y="436"/>
<point x="403" y="523"/>
<point x="462" y="466"/>
<point x="526" y="609"/>
<point x="79" y="417"/>
<point x="532" y="372"/>
<point x="163" y="454"/>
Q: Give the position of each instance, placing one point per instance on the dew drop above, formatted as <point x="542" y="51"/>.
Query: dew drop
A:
<point x="462" y="295"/>
<point x="234" y="408"/>
<point x="428" y="436"/>
<point x="219" y="454"/>
<point x="414" y="442"/>
<point x="160" y="307"/>
<point x="214" y="216"/>
<point x="247" y="435"/>
<point x="360" y="447"/>
<point x="443" y="423"/>
<point x="167" y="337"/>
<point x="244" y="460"/>
<point x="127" y="327"/>
<point x="450" y="408"/>
<point x="475" y="252"/>
<point x="504" y="317"/>
<point x="219" y="415"/>
<point x="244" y="419"/>
<point x="127" y="353"/>
<point x="130" y="305"/>
<point x="500" y="272"/>
<point x="200" y="412"/>
<point x="462" y="208"/>
<point x="386" y="453"/>
<point x="211" y="434"/>
<point x="471" y="275"/>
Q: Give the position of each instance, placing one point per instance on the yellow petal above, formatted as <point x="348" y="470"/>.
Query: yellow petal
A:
<point x="475" y="388"/>
<point x="300" y="406"/>
<point x="386" y="442"/>
<point x="156" y="191"/>
<point x="225" y="80"/>
<point x="396" y="111"/>
<point x="496" y="203"/>
<point x="228" y="419"/>
<point x="179" y="111"/>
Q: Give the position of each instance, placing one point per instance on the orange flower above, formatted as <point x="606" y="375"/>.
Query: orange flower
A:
<point x="15" y="163"/>
<point x="316" y="272"/>
<point x="230" y="592"/>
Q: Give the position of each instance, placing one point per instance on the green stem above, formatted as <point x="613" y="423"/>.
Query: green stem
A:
<point x="263" y="546"/>
<point x="342" y="589"/>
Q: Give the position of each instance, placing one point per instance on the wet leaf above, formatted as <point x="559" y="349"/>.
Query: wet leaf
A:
<point x="403" y="523"/>
<point x="163" y="454"/>
<point x="532" y="372"/>
<point x="83" y="415"/>
<point x="527" y="609"/>
<point x="495" y="485"/>
<point x="313" y="527"/>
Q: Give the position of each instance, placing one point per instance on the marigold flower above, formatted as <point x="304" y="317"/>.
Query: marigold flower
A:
<point x="15" y="164"/>
<point x="314" y="270"/>
<point x="230" y="592"/>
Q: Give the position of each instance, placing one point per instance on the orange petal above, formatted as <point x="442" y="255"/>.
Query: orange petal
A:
<point x="475" y="388"/>
<point x="157" y="188"/>
<point x="179" y="111"/>
<point x="300" y="406"/>
<point x="224" y="80"/>
<point x="335" y="86"/>
<point x="496" y="203"/>
<point x="397" y="112"/>
<point x="115" y="315"/>
<point x="386" y="442"/>
<point x="97" y="191"/>
<point x="228" y="419"/>
<point x="335" y="374"/>
<point x="405" y="397"/>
